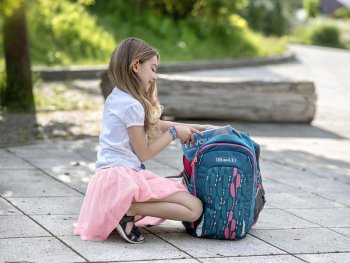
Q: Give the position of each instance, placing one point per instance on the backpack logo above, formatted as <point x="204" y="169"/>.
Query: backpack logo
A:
<point x="226" y="160"/>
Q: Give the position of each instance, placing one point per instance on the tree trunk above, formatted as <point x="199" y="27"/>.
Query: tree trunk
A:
<point x="18" y="93"/>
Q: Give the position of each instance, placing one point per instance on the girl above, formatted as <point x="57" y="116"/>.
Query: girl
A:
<point x="132" y="133"/>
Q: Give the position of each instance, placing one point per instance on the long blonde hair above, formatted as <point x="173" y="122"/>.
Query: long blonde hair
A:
<point x="120" y="71"/>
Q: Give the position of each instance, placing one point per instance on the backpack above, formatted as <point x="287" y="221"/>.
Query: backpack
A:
<point x="225" y="176"/>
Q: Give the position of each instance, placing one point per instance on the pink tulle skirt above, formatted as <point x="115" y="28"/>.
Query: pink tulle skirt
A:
<point x="109" y="196"/>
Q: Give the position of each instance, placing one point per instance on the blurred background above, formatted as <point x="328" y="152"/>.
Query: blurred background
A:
<point x="68" y="33"/>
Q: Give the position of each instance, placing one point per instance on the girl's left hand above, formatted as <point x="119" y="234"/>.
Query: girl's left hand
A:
<point x="190" y="139"/>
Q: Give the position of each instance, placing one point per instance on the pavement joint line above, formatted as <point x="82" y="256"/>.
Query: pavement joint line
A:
<point x="288" y="212"/>
<point x="320" y="226"/>
<point x="337" y="232"/>
<point x="17" y="169"/>
<point x="297" y="167"/>
<point x="166" y="241"/>
<point x="4" y="238"/>
<point x="145" y="260"/>
<point x="46" y="173"/>
<point x="274" y="246"/>
<point x="52" y="235"/>
<point x="244" y="256"/>
<point x="301" y="168"/>
<point x="307" y="192"/>
<point x="310" y="208"/>
<point x="346" y="205"/>
<point x="322" y="253"/>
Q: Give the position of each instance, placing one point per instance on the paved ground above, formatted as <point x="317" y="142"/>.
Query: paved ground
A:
<point x="305" y="168"/>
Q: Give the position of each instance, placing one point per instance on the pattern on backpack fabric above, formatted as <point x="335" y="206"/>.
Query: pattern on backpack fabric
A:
<point x="228" y="190"/>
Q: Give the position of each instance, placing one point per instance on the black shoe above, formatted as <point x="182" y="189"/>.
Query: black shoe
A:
<point x="135" y="236"/>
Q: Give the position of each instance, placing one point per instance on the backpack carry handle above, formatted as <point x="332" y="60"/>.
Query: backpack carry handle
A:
<point x="237" y="133"/>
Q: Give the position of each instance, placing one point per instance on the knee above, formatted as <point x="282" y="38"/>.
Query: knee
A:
<point x="197" y="210"/>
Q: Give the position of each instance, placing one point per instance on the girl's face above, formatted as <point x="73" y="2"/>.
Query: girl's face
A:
<point x="146" y="72"/>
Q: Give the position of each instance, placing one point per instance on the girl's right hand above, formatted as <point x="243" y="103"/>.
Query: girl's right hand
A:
<point x="185" y="133"/>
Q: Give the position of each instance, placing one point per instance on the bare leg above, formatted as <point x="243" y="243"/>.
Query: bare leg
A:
<point x="180" y="206"/>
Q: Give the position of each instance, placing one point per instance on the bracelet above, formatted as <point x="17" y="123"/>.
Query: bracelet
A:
<point x="173" y="132"/>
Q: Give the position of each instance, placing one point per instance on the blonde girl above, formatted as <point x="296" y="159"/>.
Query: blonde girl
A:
<point x="122" y="193"/>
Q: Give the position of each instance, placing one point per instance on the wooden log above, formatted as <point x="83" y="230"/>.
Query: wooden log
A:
<point x="259" y="101"/>
<point x="185" y="97"/>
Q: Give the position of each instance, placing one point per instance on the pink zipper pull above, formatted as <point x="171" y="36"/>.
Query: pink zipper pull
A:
<point x="194" y="161"/>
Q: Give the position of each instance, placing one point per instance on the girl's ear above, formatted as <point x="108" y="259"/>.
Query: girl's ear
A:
<point x="136" y="66"/>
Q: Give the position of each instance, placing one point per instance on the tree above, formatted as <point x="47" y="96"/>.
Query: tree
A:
<point x="18" y="91"/>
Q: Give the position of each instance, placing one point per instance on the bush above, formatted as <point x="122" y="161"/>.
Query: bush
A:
<point x="342" y="12"/>
<point x="311" y="7"/>
<point x="70" y="32"/>
<point x="326" y="35"/>
<point x="188" y="38"/>
<point x="62" y="32"/>
<point x="269" y="17"/>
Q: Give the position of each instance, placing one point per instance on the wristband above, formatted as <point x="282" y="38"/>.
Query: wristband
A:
<point x="173" y="132"/>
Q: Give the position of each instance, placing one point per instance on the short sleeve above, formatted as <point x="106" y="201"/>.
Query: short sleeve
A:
<point x="134" y="115"/>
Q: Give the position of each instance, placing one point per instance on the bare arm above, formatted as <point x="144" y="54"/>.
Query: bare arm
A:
<point x="146" y="150"/>
<point x="165" y="125"/>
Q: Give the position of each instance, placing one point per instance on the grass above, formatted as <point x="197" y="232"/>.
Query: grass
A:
<point x="65" y="96"/>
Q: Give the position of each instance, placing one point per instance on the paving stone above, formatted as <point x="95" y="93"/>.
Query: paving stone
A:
<point x="57" y="162"/>
<point x="116" y="249"/>
<point x="14" y="163"/>
<point x="278" y="219"/>
<point x="253" y="259"/>
<point x="342" y="230"/>
<point x="339" y="197"/>
<point x="172" y="162"/>
<point x="272" y="186"/>
<point x="7" y="209"/>
<point x="308" y="240"/>
<point x="167" y="172"/>
<point x="299" y="200"/>
<point x="195" y="246"/>
<point x="303" y="176"/>
<point x="30" y="183"/>
<point x="315" y="184"/>
<point x="62" y="225"/>
<point x="300" y="159"/>
<point x="40" y="249"/>
<point x="327" y="258"/>
<point x="5" y="155"/>
<point x="153" y="165"/>
<point x="49" y="205"/>
<point x="267" y="206"/>
<point x="20" y="226"/>
<point x="327" y="217"/>
<point x="58" y="225"/>
<point x="169" y="226"/>
<point x="77" y="177"/>
<point x="38" y="153"/>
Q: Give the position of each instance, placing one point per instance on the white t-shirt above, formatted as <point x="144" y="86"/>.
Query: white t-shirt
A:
<point x="121" y="111"/>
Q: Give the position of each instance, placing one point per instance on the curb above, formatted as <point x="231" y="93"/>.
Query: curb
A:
<point x="95" y="72"/>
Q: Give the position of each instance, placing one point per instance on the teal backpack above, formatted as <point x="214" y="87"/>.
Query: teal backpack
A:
<point x="225" y="176"/>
